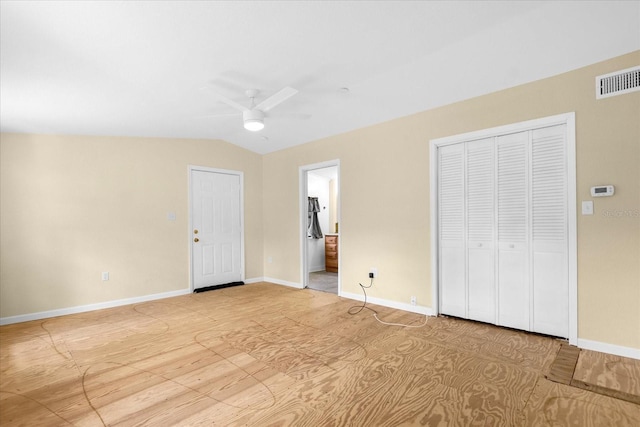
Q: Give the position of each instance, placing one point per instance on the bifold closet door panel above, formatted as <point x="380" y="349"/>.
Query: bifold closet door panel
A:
<point x="480" y="172"/>
<point x="452" y="275"/>
<point x="451" y="217"/>
<point x="513" y="229"/>
<point x="513" y="286"/>
<point x="549" y="231"/>
<point x="550" y="291"/>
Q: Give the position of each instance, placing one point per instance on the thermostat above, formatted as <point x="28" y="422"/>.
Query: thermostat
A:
<point x="602" y="190"/>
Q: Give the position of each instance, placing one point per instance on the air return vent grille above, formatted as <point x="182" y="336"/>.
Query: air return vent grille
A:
<point x="617" y="83"/>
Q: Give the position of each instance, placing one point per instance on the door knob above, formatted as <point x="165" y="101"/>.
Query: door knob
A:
<point x="195" y="231"/>
<point x="196" y="240"/>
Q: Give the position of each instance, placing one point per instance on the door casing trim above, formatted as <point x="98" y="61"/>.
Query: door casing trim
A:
<point x="302" y="179"/>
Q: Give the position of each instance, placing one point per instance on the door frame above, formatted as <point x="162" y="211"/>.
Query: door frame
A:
<point x="302" y="173"/>
<point x="569" y="120"/>
<point x="240" y="174"/>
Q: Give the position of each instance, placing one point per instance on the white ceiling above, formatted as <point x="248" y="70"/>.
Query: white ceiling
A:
<point x="138" y="68"/>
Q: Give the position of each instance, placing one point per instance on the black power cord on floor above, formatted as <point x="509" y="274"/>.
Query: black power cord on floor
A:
<point x="357" y="309"/>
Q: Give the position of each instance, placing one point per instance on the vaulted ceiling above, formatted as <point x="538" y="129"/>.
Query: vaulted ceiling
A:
<point x="144" y="68"/>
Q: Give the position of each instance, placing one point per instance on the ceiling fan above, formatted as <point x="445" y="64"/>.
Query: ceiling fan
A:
<point x="253" y="116"/>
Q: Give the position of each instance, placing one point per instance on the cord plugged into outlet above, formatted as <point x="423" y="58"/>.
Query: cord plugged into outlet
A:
<point x="373" y="273"/>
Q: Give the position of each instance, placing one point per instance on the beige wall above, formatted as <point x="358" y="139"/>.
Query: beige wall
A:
<point x="72" y="207"/>
<point x="385" y="210"/>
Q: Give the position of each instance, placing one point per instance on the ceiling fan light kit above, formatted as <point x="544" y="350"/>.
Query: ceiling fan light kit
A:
<point x="253" y="120"/>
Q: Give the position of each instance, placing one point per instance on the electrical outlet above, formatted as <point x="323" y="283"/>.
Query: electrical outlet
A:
<point x="373" y="272"/>
<point x="413" y="301"/>
<point x="105" y="276"/>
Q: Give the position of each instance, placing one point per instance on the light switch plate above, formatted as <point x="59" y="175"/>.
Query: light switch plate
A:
<point x="587" y="207"/>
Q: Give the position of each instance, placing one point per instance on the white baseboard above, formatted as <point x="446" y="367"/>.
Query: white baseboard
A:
<point x="283" y="282"/>
<point x="391" y="304"/>
<point x="254" y="280"/>
<point x="89" y="307"/>
<point x="602" y="347"/>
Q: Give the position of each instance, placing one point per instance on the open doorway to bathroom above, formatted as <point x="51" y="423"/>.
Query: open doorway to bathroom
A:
<point x="320" y="219"/>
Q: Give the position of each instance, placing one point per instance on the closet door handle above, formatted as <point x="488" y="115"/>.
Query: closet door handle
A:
<point x="196" y="240"/>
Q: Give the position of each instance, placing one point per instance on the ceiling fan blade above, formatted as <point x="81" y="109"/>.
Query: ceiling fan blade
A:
<point x="295" y="116"/>
<point x="231" y="103"/>
<point x="276" y="99"/>
<point x="207" y="116"/>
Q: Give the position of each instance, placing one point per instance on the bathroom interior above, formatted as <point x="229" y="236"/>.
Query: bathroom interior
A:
<point x="323" y="229"/>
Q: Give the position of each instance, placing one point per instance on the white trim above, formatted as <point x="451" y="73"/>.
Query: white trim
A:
<point x="390" y="304"/>
<point x="618" y="350"/>
<point x="90" y="307"/>
<point x="569" y="120"/>
<point x="240" y="174"/>
<point x="283" y="282"/>
<point x="572" y="229"/>
<point x="254" y="280"/>
<point x="433" y="203"/>
<point x="558" y="119"/>
<point x="302" y="197"/>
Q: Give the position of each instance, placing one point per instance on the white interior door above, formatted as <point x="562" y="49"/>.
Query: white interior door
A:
<point x="216" y="220"/>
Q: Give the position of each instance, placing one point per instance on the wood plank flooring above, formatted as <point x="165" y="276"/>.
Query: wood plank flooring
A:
<point x="564" y="365"/>
<point x="268" y="355"/>
<point x="608" y="374"/>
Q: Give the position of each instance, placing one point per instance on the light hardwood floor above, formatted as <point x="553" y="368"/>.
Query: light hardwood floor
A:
<point x="263" y="354"/>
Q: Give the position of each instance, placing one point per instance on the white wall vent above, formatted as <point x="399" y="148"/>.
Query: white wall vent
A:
<point x="617" y="83"/>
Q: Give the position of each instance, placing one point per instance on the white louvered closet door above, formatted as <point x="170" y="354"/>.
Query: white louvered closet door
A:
<point x="512" y="224"/>
<point x="503" y="230"/>
<point x="550" y="275"/>
<point x="451" y="215"/>
<point x="480" y="171"/>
